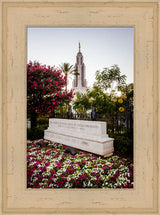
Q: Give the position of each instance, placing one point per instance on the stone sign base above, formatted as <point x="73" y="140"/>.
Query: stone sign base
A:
<point x="81" y="134"/>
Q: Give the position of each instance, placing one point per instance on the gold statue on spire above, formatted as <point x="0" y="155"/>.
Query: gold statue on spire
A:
<point x="79" y="47"/>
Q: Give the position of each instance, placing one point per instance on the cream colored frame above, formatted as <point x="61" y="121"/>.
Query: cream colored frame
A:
<point x="16" y="16"/>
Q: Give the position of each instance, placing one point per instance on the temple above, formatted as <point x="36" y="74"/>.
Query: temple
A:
<point x="79" y="82"/>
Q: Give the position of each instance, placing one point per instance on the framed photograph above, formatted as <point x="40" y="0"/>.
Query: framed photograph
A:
<point x="20" y="17"/>
<point x="80" y="117"/>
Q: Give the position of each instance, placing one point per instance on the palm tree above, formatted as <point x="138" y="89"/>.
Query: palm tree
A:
<point x="67" y="69"/>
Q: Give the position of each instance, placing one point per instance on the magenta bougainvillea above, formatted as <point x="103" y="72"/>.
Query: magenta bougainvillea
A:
<point x="45" y="89"/>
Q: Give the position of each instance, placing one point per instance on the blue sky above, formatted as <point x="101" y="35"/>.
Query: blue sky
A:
<point x="101" y="47"/>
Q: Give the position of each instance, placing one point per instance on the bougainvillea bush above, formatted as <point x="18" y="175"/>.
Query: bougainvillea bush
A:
<point x="52" y="167"/>
<point x="45" y="90"/>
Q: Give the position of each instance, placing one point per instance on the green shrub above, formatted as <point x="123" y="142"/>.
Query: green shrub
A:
<point x="122" y="144"/>
<point x="44" y="126"/>
<point x="43" y="120"/>
<point x="36" y="133"/>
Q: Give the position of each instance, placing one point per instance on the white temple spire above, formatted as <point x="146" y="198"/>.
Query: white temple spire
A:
<point x="79" y="82"/>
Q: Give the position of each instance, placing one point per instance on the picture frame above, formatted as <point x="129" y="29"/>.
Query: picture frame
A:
<point x="16" y="17"/>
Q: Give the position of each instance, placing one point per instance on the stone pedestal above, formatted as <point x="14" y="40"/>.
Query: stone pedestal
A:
<point x="81" y="134"/>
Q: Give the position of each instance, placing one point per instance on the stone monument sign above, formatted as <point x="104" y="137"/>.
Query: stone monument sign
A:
<point x="81" y="134"/>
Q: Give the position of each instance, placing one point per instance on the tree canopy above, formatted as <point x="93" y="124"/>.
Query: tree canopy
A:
<point x="101" y="99"/>
<point x="82" y="103"/>
<point x="45" y="89"/>
<point x="110" y="76"/>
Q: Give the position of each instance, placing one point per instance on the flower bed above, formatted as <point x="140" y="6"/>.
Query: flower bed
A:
<point x="52" y="167"/>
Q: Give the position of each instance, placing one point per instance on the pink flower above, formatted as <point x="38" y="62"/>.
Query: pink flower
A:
<point x="59" y="164"/>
